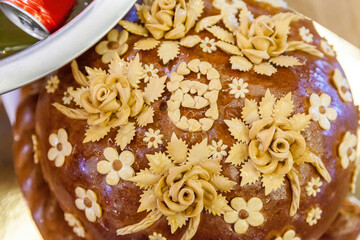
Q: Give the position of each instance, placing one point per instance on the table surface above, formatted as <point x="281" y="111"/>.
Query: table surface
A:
<point x="346" y="23"/>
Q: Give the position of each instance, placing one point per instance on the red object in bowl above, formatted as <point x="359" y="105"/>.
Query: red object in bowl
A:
<point x="37" y="17"/>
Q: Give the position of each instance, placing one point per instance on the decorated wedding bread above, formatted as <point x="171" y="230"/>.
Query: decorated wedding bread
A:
<point x="193" y="119"/>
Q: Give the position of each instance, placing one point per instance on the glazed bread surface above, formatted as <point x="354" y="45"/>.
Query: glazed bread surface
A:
<point x="204" y="120"/>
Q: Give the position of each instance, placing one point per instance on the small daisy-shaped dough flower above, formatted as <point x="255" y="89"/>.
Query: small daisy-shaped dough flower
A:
<point x="342" y="86"/>
<point x="245" y="214"/>
<point x="116" y="166"/>
<point x="313" y="216"/>
<point x="156" y="236"/>
<point x="321" y="110"/>
<point x="73" y="222"/>
<point x="289" y="235"/>
<point x="116" y="43"/>
<point x="61" y="147"/>
<point x="52" y="84"/>
<point x="87" y="201"/>
<point x="327" y="49"/>
<point x="347" y="150"/>
<point x="153" y="138"/>
<point x="67" y="96"/>
<point x="238" y="88"/>
<point x="306" y="35"/>
<point x="208" y="45"/>
<point x="218" y="149"/>
<point x="313" y="186"/>
<point x="150" y="72"/>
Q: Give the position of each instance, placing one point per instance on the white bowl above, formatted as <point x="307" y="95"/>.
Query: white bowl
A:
<point x="62" y="46"/>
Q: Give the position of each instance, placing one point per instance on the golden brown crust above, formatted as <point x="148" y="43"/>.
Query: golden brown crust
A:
<point x="119" y="203"/>
<point x="346" y="224"/>
<point x="45" y="210"/>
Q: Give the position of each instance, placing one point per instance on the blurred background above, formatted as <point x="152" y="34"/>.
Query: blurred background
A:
<point x="341" y="17"/>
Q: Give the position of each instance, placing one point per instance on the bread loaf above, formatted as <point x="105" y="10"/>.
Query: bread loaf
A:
<point x="198" y="119"/>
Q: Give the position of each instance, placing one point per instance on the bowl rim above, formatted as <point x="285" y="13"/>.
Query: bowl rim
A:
<point x="80" y="33"/>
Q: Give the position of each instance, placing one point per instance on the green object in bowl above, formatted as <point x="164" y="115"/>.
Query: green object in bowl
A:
<point x="12" y="38"/>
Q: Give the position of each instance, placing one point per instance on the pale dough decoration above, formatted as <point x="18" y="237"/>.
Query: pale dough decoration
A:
<point x="265" y="69"/>
<point x="289" y="235"/>
<point x="300" y="122"/>
<point x="347" y="151"/>
<point x="206" y="95"/>
<point x="146" y="44"/>
<point x="354" y="178"/>
<point x="258" y="44"/>
<point x="235" y="4"/>
<point x="177" y="149"/>
<point x="35" y="143"/>
<point x="275" y="3"/>
<point x="108" y="103"/>
<point x="269" y="135"/>
<point x="221" y="34"/>
<point x="134" y="28"/>
<point x="313" y="186"/>
<point x="238" y="88"/>
<point x="230" y="11"/>
<point x="87" y="201"/>
<point x="285" y="61"/>
<point x="125" y="135"/>
<point x="230" y="17"/>
<point x="154" y="89"/>
<point x="67" y="98"/>
<point x="208" y="45"/>
<point x="218" y="149"/>
<point x="207" y="22"/>
<point x="116" y="166"/>
<point x="180" y="185"/>
<point x="275" y="181"/>
<point x="306" y="35"/>
<point x="245" y="214"/>
<point x="259" y="39"/>
<point x="190" y="41"/>
<point x="147" y="115"/>
<point x="342" y="86"/>
<point x="305" y="47"/>
<point x="115" y="43"/>
<point x="168" y="51"/>
<point x="321" y="111"/>
<point x="76" y="94"/>
<point x="169" y="19"/>
<point x="150" y="72"/>
<point x="240" y="63"/>
<point x="313" y="216"/>
<point x="229" y="48"/>
<point x="95" y="133"/>
<point x="153" y="138"/>
<point x="250" y="175"/>
<point x="156" y="236"/>
<point x="61" y="147"/>
<point x="327" y="49"/>
<point x="76" y="225"/>
<point x="52" y="84"/>
<point x="238" y="130"/>
<point x="262" y="41"/>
